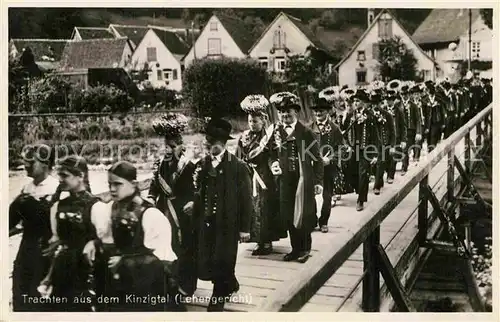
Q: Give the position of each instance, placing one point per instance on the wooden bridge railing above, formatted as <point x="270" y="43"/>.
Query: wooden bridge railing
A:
<point x="296" y="292"/>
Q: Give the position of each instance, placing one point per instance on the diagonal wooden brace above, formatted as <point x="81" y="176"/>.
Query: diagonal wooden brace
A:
<point x="472" y="189"/>
<point x="393" y="284"/>
<point x="479" y="159"/>
<point x="448" y="222"/>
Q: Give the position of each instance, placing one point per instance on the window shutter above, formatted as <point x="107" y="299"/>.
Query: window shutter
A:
<point x="271" y="63"/>
<point x="380" y="24"/>
<point x="174" y="74"/>
<point x="283" y="39"/>
<point x="276" y="39"/>
<point x="375" y="51"/>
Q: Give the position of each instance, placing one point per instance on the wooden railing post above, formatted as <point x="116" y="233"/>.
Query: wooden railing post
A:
<point x="467" y="153"/>
<point x="371" y="281"/>
<point x="479" y="134"/>
<point x="423" y="208"/>
<point x="451" y="176"/>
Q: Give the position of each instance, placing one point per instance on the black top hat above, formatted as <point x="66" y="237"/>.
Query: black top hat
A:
<point x="416" y="89"/>
<point x="219" y="129"/>
<point x="321" y="105"/>
<point x="376" y="96"/>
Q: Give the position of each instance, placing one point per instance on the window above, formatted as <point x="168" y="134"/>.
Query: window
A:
<point x="361" y="76"/>
<point x="151" y="53"/>
<point x="214" y="46"/>
<point x="167" y="74"/>
<point x="426" y="74"/>
<point x="279" y="40"/>
<point x="475" y="49"/>
<point x="213" y="26"/>
<point x="280" y="64"/>
<point x="375" y="51"/>
<point x="159" y="74"/>
<point x="361" y="55"/>
<point x="174" y="74"/>
<point x="385" y="28"/>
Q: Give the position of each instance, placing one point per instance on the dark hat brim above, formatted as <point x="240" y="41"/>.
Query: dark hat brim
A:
<point x="218" y="134"/>
<point x="282" y="107"/>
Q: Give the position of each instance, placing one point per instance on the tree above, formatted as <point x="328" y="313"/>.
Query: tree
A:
<point x="396" y="61"/>
<point x="487" y="15"/>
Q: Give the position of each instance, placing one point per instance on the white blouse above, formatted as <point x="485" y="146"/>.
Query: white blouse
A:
<point x="156" y="227"/>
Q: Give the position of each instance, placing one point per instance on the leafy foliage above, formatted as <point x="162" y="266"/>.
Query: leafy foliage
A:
<point x="100" y="99"/>
<point x="474" y="65"/>
<point x="396" y="61"/>
<point x="487" y="15"/>
<point x="308" y="71"/>
<point x="216" y="87"/>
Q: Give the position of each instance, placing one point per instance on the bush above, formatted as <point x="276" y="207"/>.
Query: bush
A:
<point x="151" y="98"/>
<point x="215" y="88"/>
<point x="48" y="94"/>
<point x="100" y="99"/>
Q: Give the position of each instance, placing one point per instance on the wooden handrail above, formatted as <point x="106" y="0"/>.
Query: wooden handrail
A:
<point x="86" y="114"/>
<point x="320" y="268"/>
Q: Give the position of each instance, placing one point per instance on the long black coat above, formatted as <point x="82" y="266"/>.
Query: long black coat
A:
<point x="312" y="167"/>
<point x="234" y="211"/>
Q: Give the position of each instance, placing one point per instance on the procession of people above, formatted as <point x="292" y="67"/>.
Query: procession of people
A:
<point x="198" y="209"/>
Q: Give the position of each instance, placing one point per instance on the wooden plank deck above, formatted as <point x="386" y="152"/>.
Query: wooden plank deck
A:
<point x="261" y="276"/>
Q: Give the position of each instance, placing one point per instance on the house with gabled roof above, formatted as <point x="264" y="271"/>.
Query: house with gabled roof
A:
<point x="444" y="35"/>
<point x="134" y="33"/>
<point x="160" y="54"/>
<point x="81" y="58"/>
<point x="360" y="65"/>
<point x="84" y="33"/>
<point x="47" y="52"/>
<point x="286" y="36"/>
<point x="222" y="36"/>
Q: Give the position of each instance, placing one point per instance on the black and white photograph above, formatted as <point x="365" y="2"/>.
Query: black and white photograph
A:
<point x="250" y="159"/>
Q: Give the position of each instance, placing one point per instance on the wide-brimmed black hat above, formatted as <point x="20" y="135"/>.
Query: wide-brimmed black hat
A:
<point x="376" y="96"/>
<point x="361" y="95"/>
<point x="390" y="94"/>
<point x="321" y="105"/>
<point x="416" y="89"/>
<point x="219" y="129"/>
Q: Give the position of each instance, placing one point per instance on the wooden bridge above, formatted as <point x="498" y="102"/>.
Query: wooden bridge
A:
<point x="390" y="237"/>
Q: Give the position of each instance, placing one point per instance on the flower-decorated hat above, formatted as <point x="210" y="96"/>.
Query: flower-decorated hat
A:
<point x="330" y="93"/>
<point x="377" y="85"/>
<point x="170" y="125"/>
<point x="285" y="100"/>
<point x="255" y="104"/>
<point x="394" y="85"/>
<point x="347" y="93"/>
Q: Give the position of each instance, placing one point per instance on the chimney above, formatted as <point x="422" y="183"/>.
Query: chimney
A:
<point x="370" y="16"/>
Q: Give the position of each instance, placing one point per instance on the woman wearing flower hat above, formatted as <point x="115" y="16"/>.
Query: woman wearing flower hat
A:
<point x="32" y="208"/>
<point x="253" y="148"/>
<point x="173" y="193"/>
<point x="70" y="275"/>
<point x="132" y="248"/>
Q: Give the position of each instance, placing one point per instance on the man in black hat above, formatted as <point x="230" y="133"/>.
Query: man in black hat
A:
<point x="222" y="212"/>
<point x="451" y="103"/>
<point x="331" y="139"/>
<point x="295" y="159"/>
<point x="435" y="117"/>
<point x="365" y="137"/>
<point x="412" y="120"/>
<point x="385" y="115"/>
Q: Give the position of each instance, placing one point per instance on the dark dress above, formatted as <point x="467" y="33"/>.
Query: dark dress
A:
<point x="71" y="270"/>
<point x="180" y="182"/>
<point x="139" y="275"/>
<point x="265" y="225"/>
<point x="30" y="266"/>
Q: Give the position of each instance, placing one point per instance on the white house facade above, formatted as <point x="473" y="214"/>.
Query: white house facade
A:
<point x="163" y="63"/>
<point x="360" y="65"/>
<point x="214" y="41"/>
<point x="286" y="36"/>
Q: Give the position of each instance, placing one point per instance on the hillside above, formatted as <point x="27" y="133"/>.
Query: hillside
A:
<point x="59" y="22"/>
